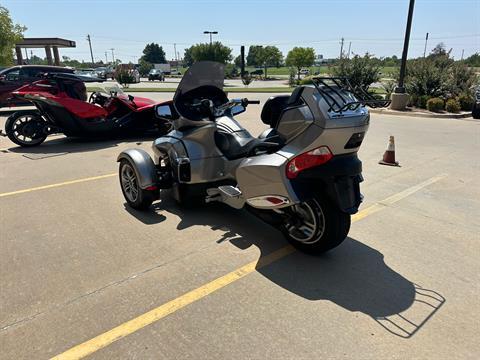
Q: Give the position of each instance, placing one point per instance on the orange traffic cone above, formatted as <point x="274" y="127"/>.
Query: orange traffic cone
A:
<point x="389" y="156"/>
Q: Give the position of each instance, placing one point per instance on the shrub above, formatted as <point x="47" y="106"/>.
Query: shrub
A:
<point x="389" y="87"/>
<point x="435" y="104"/>
<point x="291" y="77"/>
<point x="422" y="101"/>
<point x="452" y="105"/>
<point x="231" y="71"/>
<point x="247" y="78"/>
<point x="466" y="102"/>
<point x="360" y="70"/>
<point x="124" y="77"/>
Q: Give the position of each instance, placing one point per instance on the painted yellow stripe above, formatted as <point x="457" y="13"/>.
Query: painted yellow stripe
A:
<point x="99" y="342"/>
<point x="170" y="307"/>
<point x="71" y="182"/>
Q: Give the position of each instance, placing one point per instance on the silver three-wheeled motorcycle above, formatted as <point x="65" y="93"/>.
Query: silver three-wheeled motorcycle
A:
<point x="302" y="175"/>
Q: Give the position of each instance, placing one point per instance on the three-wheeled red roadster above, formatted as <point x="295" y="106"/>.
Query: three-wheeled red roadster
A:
<point x="63" y="107"/>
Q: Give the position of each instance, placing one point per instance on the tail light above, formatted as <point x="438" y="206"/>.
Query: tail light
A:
<point x="308" y="160"/>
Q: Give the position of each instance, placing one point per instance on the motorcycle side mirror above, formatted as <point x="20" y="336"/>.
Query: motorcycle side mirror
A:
<point x="2" y="78"/>
<point x="238" y="109"/>
<point x="163" y="111"/>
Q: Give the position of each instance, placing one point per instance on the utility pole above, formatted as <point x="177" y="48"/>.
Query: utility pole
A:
<point x="106" y="58"/>
<point x="175" y="50"/>
<point x="349" y="47"/>
<point x="90" y="44"/>
<point x="400" y="89"/>
<point x="341" y="47"/>
<point x="113" y="56"/>
<point x="425" y="50"/>
<point x="463" y="50"/>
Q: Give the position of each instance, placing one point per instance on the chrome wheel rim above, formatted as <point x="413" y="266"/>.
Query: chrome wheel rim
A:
<point x="306" y="227"/>
<point x="129" y="183"/>
<point x="25" y="130"/>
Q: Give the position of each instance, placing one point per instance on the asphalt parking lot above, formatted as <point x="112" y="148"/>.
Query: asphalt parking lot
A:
<point x="82" y="275"/>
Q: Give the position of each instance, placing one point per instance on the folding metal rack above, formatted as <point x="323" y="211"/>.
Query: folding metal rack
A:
<point x="339" y="87"/>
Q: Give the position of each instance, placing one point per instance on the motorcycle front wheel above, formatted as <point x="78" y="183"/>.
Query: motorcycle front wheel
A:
<point x="26" y="128"/>
<point x="136" y="197"/>
<point x="315" y="226"/>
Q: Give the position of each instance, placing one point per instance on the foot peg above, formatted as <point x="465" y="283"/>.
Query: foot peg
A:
<point x="227" y="194"/>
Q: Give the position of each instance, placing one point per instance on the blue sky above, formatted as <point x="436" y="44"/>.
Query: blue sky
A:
<point x="376" y="26"/>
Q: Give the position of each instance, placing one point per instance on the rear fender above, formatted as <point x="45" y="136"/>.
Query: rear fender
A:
<point x="143" y="165"/>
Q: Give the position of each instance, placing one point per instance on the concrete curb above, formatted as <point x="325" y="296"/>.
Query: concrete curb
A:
<point x="421" y="114"/>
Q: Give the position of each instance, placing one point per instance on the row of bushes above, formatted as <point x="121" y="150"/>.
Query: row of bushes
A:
<point x="463" y="102"/>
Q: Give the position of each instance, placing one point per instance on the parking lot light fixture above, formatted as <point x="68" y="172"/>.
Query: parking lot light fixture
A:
<point x="210" y="33"/>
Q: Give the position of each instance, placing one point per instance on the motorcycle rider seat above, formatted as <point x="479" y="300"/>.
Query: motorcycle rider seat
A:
<point x="240" y="144"/>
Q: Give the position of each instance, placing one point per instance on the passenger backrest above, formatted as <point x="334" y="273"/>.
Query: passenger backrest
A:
<point x="273" y="109"/>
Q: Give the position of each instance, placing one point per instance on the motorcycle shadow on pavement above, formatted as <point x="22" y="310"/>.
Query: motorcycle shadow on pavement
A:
<point x="354" y="275"/>
<point x="61" y="145"/>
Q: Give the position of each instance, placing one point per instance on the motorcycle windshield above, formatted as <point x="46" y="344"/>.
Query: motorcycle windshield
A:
<point x="111" y="89"/>
<point x="202" y="73"/>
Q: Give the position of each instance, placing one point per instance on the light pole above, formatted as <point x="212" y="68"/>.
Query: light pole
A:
<point x="210" y="33"/>
<point x="399" y="97"/>
<point x="401" y="86"/>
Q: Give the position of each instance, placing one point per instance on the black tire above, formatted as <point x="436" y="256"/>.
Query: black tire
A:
<point x="329" y="228"/>
<point x="135" y="196"/>
<point x="26" y="128"/>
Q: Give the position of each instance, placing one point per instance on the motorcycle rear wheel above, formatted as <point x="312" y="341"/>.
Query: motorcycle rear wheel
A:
<point x="315" y="226"/>
<point x="26" y="128"/>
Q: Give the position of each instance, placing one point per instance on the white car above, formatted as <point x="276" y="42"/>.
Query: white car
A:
<point x="304" y="72"/>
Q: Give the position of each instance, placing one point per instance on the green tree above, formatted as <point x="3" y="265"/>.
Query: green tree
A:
<point x="213" y="52"/>
<point x="300" y="57"/>
<point x="473" y="60"/>
<point x="10" y="34"/>
<point x="154" y="54"/>
<point x="238" y="61"/>
<point x="253" y="55"/>
<point x="260" y="56"/>
<point x="270" y="56"/>
<point x="144" y="67"/>
<point x="187" y="57"/>
<point x="360" y="70"/>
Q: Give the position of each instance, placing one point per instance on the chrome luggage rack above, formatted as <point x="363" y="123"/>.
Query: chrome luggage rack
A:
<point x="335" y="91"/>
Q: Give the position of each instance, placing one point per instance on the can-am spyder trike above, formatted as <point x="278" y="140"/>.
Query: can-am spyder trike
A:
<point x="302" y="175"/>
<point x="62" y="107"/>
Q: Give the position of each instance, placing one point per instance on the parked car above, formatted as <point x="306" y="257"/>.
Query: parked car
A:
<point x="105" y="72"/>
<point x="86" y="72"/>
<point x="304" y="72"/>
<point x="476" y="105"/>
<point x="175" y="72"/>
<point x="17" y="76"/>
<point x="156" y="74"/>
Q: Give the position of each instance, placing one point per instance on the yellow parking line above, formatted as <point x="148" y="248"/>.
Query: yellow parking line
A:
<point x="57" y="185"/>
<point x="131" y="326"/>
